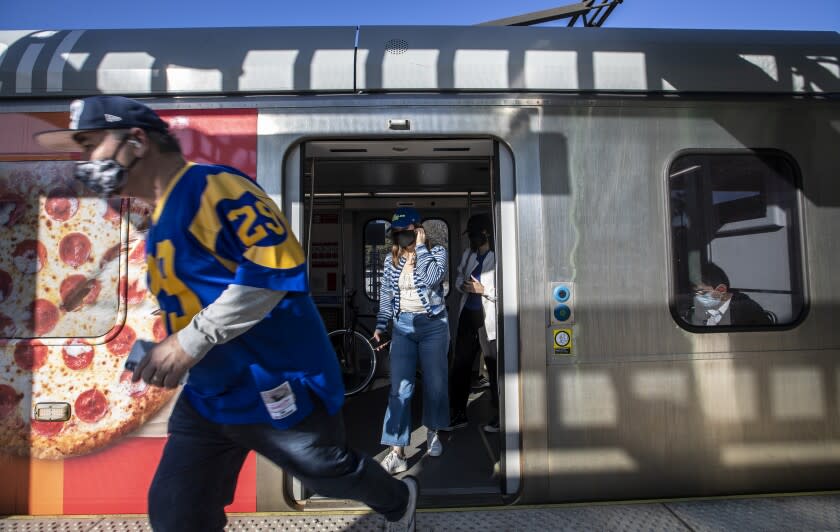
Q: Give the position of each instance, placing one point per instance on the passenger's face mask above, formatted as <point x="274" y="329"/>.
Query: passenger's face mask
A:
<point x="477" y="240"/>
<point x="405" y="238"/>
<point x="710" y="307"/>
<point x="104" y="177"/>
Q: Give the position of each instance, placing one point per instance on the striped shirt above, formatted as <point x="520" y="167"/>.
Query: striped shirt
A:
<point x="429" y="272"/>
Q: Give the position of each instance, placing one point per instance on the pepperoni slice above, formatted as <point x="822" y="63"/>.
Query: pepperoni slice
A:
<point x="77" y="354"/>
<point x="12" y="208"/>
<point x="31" y="356"/>
<point x="134" y="389"/>
<point x="134" y="294"/>
<point x="9" y="400"/>
<point x="74" y="249"/>
<point x="62" y="203"/>
<point x="29" y="256"/>
<point x="7" y="326"/>
<point x="121" y="345"/>
<point x="91" y="406"/>
<point x="5" y="285"/>
<point x="77" y="290"/>
<point x="47" y="428"/>
<point x="159" y="329"/>
<point x="44" y="316"/>
<point x="112" y="210"/>
<point x="138" y="256"/>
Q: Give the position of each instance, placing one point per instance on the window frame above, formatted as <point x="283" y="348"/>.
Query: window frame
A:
<point x="798" y="232"/>
<point x="364" y="253"/>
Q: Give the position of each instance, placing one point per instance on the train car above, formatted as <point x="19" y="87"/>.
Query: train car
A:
<point x="665" y="206"/>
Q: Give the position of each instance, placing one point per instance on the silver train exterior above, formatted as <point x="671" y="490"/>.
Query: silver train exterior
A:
<point x="588" y="127"/>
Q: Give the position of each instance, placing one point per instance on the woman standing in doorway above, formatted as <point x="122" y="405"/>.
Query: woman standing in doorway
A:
<point x="411" y="295"/>
<point x="476" y="281"/>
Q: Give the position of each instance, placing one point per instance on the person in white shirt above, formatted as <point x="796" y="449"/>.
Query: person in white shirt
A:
<point x="476" y="280"/>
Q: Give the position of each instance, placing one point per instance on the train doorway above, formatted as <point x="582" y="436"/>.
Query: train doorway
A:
<point x="349" y="191"/>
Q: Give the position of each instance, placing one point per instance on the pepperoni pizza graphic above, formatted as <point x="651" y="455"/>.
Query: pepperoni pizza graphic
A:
<point x="73" y="300"/>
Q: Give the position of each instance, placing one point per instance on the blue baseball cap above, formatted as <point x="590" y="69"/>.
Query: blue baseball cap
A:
<point x="403" y="217"/>
<point x="97" y="113"/>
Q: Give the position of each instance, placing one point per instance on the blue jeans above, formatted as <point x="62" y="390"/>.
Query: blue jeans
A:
<point x="197" y="474"/>
<point x="417" y="336"/>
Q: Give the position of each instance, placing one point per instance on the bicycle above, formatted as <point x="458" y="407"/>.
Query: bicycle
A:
<point x="356" y="354"/>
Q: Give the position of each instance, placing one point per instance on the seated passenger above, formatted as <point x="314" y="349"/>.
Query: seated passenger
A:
<point x="715" y="304"/>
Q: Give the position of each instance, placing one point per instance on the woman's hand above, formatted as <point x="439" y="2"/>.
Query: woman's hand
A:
<point x="473" y="286"/>
<point x="421" y="236"/>
<point x="377" y="340"/>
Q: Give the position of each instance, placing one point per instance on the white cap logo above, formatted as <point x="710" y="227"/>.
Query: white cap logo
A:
<point x="75" y="113"/>
<point x="112" y="118"/>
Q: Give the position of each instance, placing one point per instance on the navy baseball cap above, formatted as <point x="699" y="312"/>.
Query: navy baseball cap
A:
<point x="101" y="112"/>
<point x="403" y="217"/>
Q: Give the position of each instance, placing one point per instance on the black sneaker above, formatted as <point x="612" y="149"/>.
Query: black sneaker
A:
<point x="407" y="522"/>
<point x="458" y="421"/>
<point x="481" y="383"/>
<point x="492" y="425"/>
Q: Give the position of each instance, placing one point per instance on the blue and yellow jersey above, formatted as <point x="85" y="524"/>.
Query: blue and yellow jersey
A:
<point x="214" y="227"/>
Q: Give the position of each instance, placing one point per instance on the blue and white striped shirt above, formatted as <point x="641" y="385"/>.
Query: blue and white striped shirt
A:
<point x="429" y="272"/>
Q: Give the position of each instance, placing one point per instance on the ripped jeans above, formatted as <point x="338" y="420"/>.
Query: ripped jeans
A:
<point x="417" y="337"/>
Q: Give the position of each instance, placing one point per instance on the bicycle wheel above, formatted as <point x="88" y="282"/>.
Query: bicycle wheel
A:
<point x="356" y="358"/>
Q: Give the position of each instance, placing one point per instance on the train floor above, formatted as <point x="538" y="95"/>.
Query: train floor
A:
<point x="777" y="513"/>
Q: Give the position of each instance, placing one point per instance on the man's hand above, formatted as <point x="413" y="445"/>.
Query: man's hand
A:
<point x="164" y="365"/>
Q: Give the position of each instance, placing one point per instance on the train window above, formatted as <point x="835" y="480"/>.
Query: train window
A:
<point x="735" y="241"/>
<point x="59" y="254"/>
<point x="377" y="244"/>
<point x="437" y="231"/>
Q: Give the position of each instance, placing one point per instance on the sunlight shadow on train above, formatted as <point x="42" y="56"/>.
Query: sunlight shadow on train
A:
<point x="255" y="76"/>
<point x="782" y="454"/>
<point x="767" y="63"/>
<point x="588" y="399"/>
<point x="551" y="68"/>
<point x="727" y="394"/>
<point x="129" y="71"/>
<point x="188" y="79"/>
<point x="591" y="460"/>
<point x="661" y="385"/>
<point x="486" y="69"/>
<point x="619" y="70"/>
<point x="797" y="393"/>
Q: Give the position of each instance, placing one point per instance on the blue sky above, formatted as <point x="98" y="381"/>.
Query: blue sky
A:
<point x="724" y="14"/>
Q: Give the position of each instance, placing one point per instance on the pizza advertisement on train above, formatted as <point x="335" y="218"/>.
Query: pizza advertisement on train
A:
<point x="74" y="430"/>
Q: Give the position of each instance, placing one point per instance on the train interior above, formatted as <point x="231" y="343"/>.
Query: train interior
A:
<point x="350" y="190"/>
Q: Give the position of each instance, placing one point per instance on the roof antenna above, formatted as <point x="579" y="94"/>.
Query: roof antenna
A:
<point x="591" y="13"/>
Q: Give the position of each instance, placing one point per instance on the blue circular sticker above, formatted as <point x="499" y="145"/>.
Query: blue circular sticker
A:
<point x="562" y="312"/>
<point x="561" y="293"/>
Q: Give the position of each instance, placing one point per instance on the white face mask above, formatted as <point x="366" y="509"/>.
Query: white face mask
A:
<point x="709" y="310"/>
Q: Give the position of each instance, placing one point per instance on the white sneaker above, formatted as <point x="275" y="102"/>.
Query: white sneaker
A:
<point x="435" y="448"/>
<point x="394" y="463"/>
<point x="407" y="521"/>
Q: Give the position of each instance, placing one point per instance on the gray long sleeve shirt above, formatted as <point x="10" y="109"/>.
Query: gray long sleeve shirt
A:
<point x="236" y="310"/>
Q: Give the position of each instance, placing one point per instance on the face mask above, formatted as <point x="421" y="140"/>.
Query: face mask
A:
<point x="477" y="240"/>
<point x="405" y="238"/>
<point x="709" y="310"/>
<point x="105" y="177"/>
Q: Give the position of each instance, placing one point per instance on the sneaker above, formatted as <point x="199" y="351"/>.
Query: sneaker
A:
<point x="492" y="426"/>
<point x="394" y="463"/>
<point x="435" y="448"/>
<point x="407" y="521"/>
<point x="459" y="421"/>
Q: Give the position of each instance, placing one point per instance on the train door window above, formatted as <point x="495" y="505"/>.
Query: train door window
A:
<point x="437" y="232"/>
<point x="377" y="243"/>
<point x="735" y="241"/>
<point x="59" y="255"/>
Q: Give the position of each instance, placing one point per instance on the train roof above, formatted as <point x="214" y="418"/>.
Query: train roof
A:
<point x="215" y="61"/>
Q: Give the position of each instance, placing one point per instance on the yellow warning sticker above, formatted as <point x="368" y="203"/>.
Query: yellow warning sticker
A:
<point x="562" y="341"/>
